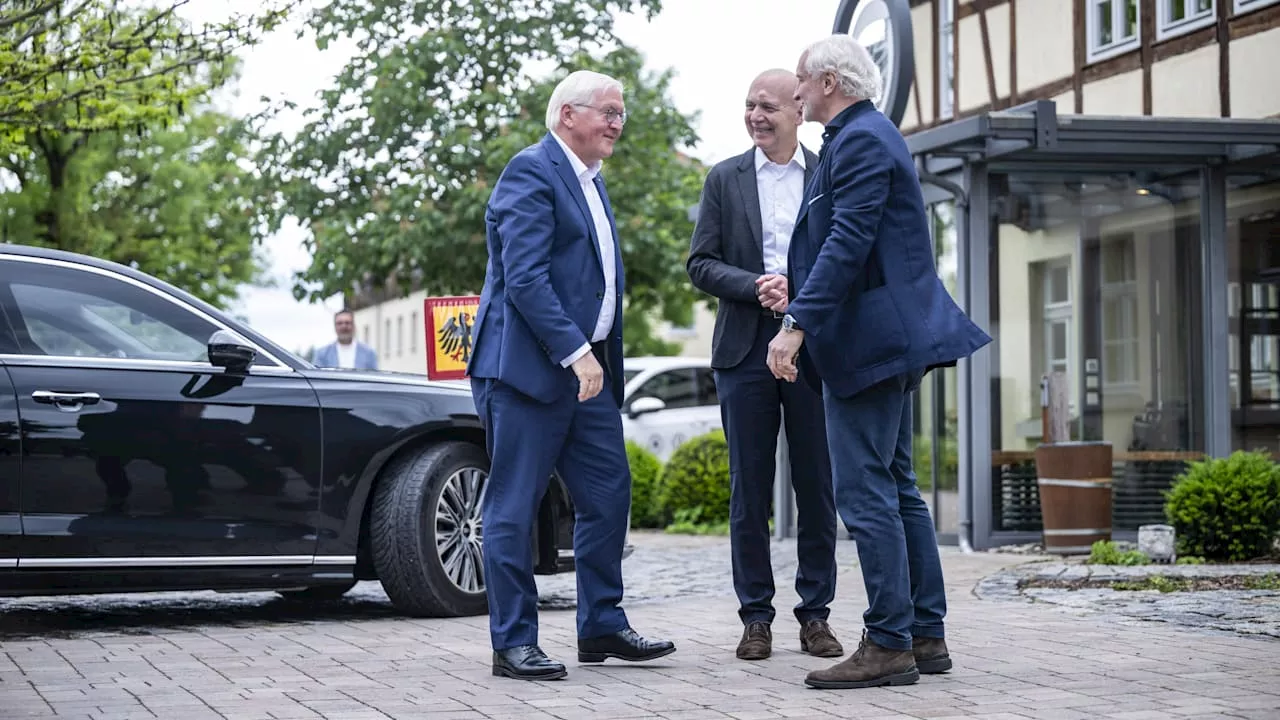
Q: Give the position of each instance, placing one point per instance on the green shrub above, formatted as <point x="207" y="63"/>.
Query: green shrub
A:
<point x="1105" y="552"/>
<point x="697" y="476"/>
<point x="1226" y="508"/>
<point x="922" y="462"/>
<point x="645" y="470"/>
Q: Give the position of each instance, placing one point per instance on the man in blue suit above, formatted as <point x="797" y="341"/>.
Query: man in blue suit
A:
<point x="546" y="375"/>
<point x="347" y="352"/>
<point x="872" y="317"/>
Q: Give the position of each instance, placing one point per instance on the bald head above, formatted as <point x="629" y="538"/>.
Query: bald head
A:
<point x="772" y="114"/>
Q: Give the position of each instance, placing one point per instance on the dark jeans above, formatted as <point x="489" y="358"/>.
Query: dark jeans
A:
<point x="876" y="493"/>
<point x="752" y="402"/>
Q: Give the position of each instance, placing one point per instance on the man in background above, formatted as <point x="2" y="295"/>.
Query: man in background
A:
<point x="739" y="254"/>
<point x="346" y="352"/>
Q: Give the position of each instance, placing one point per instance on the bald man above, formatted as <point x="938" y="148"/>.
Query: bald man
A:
<point x="739" y="254"/>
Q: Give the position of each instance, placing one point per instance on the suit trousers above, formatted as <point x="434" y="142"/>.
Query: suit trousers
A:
<point x="870" y="435"/>
<point x="527" y="440"/>
<point x="752" y="402"/>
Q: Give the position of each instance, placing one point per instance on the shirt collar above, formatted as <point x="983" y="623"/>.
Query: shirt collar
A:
<point x="842" y="118"/>
<point x="797" y="158"/>
<point x="580" y="169"/>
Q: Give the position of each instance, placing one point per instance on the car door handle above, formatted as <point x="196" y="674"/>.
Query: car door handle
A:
<point x="66" y="401"/>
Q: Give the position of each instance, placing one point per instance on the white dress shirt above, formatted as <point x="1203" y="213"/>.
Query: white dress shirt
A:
<point x="781" y="189"/>
<point x="347" y="355"/>
<point x="586" y="178"/>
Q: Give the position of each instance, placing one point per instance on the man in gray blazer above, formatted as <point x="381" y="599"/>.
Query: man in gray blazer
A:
<point x="347" y="352"/>
<point x="738" y="254"/>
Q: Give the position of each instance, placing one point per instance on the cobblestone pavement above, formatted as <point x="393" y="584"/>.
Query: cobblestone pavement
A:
<point x="192" y="656"/>
<point x="1250" y="612"/>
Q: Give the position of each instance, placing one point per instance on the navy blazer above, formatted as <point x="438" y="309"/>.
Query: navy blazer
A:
<point x="544" y="282"/>
<point x="866" y="290"/>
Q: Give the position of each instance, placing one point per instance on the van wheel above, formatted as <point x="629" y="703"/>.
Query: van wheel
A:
<point x="426" y="531"/>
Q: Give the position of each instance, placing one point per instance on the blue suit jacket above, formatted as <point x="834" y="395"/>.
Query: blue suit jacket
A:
<point x="866" y="290"/>
<point x="327" y="356"/>
<point x="544" y="283"/>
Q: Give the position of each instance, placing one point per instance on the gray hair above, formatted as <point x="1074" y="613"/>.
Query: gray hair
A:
<point x="856" y="72"/>
<point x="579" y="87"/>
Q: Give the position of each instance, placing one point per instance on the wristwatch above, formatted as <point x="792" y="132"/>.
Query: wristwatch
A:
<point x="789" y="323"/>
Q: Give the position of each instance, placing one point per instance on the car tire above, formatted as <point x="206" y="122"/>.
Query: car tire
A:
<point x="419" y="498"/>
<point x="318" y="593"/>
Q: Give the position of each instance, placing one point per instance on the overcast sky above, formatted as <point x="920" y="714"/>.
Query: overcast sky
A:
<point x="715" y="46"/>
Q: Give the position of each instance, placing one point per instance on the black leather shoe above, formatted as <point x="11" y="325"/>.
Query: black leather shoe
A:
<point x="623" y="645"/>
<point x="526" y="662"/>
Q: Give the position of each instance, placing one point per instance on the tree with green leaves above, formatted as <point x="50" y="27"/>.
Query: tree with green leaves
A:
<point x="108" y="146"/>
<point x="75" y="66"/>
<point x="393" y="170"/>
<point x="180" y="203"/>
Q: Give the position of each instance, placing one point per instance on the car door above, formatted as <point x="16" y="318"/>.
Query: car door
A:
<point x="662" y="431"/>
<point x="136" y="450"/>
<point x="10" y="459"/>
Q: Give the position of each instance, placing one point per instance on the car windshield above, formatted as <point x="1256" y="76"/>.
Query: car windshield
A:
<point x="627" y="375"/>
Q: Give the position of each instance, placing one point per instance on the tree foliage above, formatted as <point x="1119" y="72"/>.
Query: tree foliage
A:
<point x="93" y="65"/>
<point x="109" y="148"/>
<point x="393" y="170"/>
<point x="179" y="203"/>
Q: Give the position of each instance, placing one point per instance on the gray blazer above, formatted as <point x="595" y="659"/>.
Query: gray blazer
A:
<point x="726" y="254"/>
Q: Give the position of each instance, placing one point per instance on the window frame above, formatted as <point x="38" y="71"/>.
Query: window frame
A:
<point x="1167" y="28"/>
<point x="266" y="361"/>
<point x="1095" y="53"/>
<point x="1241" y="7"/>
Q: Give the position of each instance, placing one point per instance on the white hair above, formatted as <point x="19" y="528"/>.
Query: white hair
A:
<point x="579" y="87"/>
<point x="856" y="72"/>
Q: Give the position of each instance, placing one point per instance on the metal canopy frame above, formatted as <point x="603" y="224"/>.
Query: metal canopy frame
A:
<point x="956" y="159"/>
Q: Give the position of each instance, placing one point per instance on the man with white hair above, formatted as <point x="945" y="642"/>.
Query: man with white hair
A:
<point x="546" y="375"/>
<point x="869" y="314"/>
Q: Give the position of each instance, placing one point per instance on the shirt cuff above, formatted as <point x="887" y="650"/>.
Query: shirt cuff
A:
<point x="586" y="348"/>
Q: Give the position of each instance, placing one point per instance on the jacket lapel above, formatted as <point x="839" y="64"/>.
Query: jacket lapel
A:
<point x="564" y="169"/>
<point x="751" y="204"/>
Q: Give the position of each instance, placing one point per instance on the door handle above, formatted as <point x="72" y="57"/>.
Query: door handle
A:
<point x="66" y="401"/>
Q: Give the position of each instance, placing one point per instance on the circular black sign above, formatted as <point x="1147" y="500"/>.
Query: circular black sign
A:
<point x="883" y="27"/>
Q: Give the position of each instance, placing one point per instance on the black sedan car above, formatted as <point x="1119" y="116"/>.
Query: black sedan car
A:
<point x="149" y="442"/>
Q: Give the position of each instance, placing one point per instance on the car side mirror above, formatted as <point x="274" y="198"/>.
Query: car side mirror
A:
<point x="229" y="351"/>
<point x="644" y="406"/>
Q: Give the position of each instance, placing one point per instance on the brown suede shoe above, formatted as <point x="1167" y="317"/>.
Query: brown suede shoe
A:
<point x="931" y="655"/>
<point x="817" y="639"/>
<point x="756" y="642"/>
<point x="869" y="666"/>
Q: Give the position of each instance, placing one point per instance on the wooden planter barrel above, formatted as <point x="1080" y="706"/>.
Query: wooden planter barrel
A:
<point x="1074" y="479"/>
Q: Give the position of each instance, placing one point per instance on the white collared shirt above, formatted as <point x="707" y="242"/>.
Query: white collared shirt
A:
<point x="347" y="354"/>
<point x="781" y="189"/>
<point x="586" y="178"/>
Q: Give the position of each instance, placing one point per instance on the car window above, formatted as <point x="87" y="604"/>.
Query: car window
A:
<point x="707" y="387"/>
<point x="629" y="375"/>
<point x="675" y="388"/>
<point x="68" y="312"/>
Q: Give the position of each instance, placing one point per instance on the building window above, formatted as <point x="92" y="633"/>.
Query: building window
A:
<point x="1244" y="6"/>
<point x="1178" y="17"/>
<point x="1056" y="282"/>
<point x="367" y="340"/>
<point x="1112" y="27"/>
<point x="1119" y="312"/>
<point x="413" y="331"/>
<point x="399" y="335"/>
<point x="946" y="59"/>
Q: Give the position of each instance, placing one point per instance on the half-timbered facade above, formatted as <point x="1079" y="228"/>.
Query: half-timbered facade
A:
<point x="1125" y="233"/>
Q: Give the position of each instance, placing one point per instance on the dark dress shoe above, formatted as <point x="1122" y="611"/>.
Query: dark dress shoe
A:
<point x="623" y="645"/>
<point x="526" y="662"/>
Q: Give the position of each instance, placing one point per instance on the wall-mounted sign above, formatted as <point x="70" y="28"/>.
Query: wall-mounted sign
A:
<point x="449" y="323"/>
<point x="883" y="27"/>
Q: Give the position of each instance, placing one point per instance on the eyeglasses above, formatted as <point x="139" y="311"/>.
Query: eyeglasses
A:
<point x="611" y="115"/>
